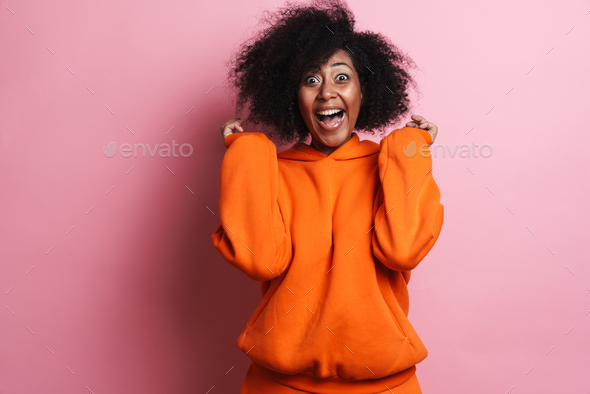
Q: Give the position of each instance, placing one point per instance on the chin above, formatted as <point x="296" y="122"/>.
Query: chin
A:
<point x="332" y="138"/>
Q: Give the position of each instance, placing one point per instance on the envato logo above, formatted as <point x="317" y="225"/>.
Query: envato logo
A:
<point x="465" y="151"/>
<point x="126" y="150"/>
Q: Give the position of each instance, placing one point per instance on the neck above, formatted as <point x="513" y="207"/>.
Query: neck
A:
<point x="327" y="149"/>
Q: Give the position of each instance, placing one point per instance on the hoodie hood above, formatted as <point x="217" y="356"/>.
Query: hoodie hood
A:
<point x="351" y="149"/>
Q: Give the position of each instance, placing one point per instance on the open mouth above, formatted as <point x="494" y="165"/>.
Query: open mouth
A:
<point x="331" y="121"/>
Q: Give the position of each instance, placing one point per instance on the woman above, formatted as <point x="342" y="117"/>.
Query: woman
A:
<point x="332" y="229"/>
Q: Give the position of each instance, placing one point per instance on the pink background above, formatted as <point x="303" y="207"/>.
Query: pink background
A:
<point x="109" y="277"/>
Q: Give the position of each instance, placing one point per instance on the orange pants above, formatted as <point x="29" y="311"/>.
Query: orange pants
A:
<point x="258" y="383"/>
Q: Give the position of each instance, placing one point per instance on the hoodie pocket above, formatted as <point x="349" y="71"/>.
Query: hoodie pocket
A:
<point x="387" y="283"/>
<point x="272" y="286"/>
<point x="395" y="318"/>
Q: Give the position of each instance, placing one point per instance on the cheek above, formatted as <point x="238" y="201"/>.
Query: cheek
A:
<point x="354" y="101"/>
<point x="300" y="101"/>
<point x="304" y="104"/>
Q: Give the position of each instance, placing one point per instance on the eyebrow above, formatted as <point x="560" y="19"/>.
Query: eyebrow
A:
<point x="316" y="67"/>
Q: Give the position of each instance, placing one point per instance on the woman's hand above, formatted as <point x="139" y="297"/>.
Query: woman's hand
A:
<point x="421" y="123"/>
<point x="231" y="126"/>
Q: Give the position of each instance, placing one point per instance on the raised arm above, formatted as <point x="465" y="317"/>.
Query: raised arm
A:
<point x="252" y="236"/>
<point x="408" y="215"/>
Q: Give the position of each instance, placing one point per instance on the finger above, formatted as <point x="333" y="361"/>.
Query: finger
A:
<point x="238" y="120"/>
<point x="420" y="121"/>
<point x="433" y="131"/>
<point x="226" y="131"/>
<point x="431" y="127"/>
<point x="425" y="124"/>
<point x="231" y="129"/>
<point x="229" y="124"/>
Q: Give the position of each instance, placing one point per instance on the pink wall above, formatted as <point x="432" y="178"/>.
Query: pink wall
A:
<point x="110" y="280"/>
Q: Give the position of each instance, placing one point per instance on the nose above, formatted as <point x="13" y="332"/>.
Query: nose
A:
<point x="327" y="91"/>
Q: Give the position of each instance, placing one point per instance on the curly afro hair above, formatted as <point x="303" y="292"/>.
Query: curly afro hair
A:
<point x="267" y="70"/>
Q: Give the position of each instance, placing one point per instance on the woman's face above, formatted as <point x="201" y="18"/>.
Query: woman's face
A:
<point x="335" y="84"/>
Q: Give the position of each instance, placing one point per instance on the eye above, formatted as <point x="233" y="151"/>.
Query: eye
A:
<point x="311" y="78"/>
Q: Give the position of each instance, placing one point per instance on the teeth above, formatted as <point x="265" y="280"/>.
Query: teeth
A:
<point x="329" y="112"/>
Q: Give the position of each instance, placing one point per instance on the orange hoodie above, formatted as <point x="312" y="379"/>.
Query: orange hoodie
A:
<point x="332" y="239"/>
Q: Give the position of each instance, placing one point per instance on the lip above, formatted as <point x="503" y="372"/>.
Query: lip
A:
<point x="332" y="127"/>
<point x="328" y="107"/>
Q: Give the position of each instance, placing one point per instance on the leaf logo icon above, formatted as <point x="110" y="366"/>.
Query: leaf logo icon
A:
<point x="110" y="150"/>
<point x="410" y="149"/>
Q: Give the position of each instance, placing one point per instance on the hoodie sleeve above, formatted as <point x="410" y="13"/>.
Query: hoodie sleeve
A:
<point x="252" y="235"/>
<point x="408" y="215"/>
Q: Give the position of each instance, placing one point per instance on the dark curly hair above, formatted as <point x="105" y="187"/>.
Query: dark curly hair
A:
<point x="267" y="70"/>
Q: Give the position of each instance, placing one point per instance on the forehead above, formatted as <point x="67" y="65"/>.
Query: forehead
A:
<point x="339" y="56"/>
